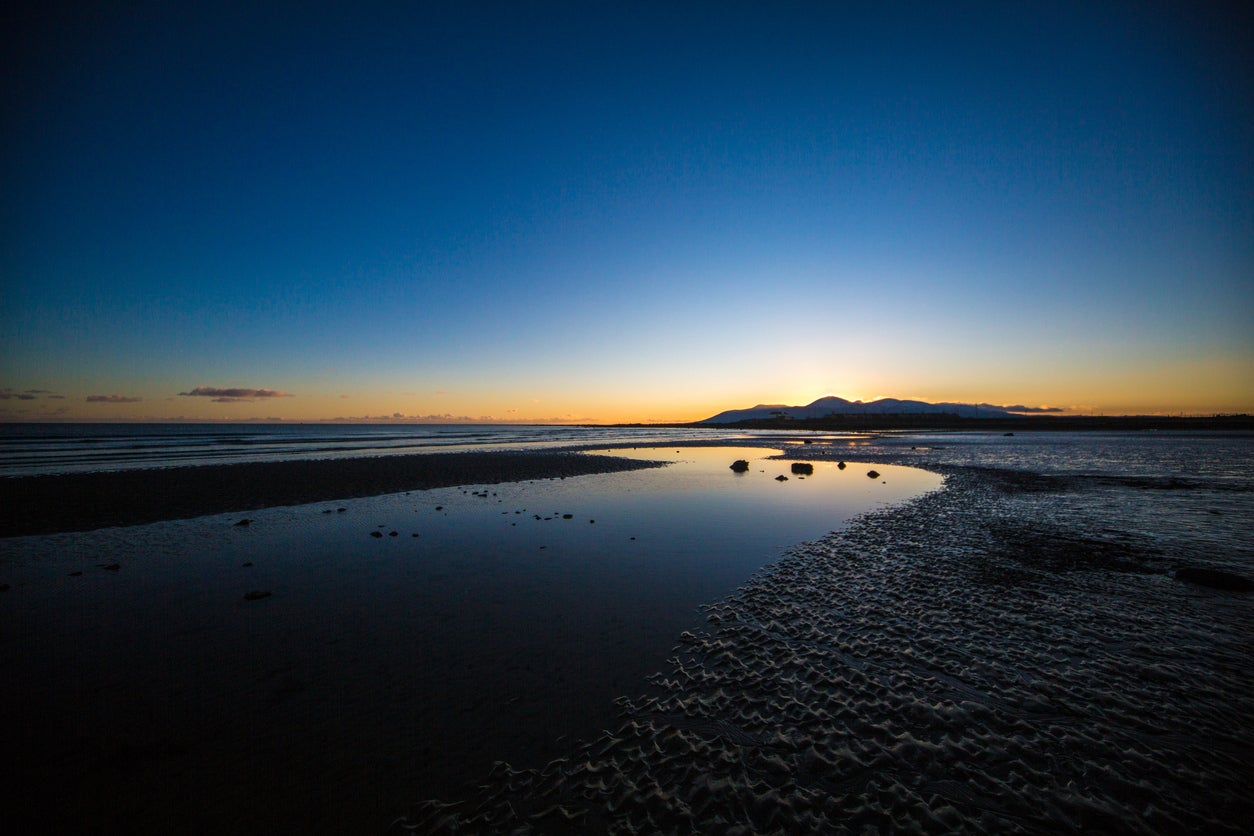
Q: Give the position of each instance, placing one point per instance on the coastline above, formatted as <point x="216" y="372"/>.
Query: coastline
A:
<point x="33" y="505"/>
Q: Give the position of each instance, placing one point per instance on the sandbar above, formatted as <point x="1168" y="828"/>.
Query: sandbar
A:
<point x="87" y="501"/>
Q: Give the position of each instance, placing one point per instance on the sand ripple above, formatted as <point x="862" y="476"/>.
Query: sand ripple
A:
<point x="1001" y="656"/>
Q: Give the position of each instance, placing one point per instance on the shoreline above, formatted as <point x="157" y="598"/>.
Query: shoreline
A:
<point x="935" y="666"/>
<point x="55" y="504"/>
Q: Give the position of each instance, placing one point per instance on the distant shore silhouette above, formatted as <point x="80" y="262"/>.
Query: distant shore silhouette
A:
<point x="1026" y="423"/>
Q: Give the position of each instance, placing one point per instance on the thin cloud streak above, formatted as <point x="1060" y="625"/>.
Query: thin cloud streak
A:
<point x="113" y="399"/>
<point x="1022" y="408"/>
<point x="234" y="394"/>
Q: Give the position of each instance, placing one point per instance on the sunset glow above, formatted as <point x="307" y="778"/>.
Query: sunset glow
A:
<point x="635" y="213"/>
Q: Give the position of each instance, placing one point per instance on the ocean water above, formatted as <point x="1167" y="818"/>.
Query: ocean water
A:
<point x="30" y="449"/>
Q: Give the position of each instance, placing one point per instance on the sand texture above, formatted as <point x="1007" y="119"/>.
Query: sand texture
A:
<point x="1009" y="655"/>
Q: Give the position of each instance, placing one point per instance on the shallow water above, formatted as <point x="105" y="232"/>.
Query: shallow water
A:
<point x="380" y="670"/>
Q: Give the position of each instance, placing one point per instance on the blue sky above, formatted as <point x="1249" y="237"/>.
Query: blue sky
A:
<point x="636" y="211"/>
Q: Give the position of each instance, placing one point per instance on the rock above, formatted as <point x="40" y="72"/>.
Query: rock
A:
<point x="873" y="474"/>
<point x="840" y="465"/>
<point x="243" y="522"/>
<point x="376" y="534"/>
<point x="1214" y="578"/>
<point x="803" y="467"/>
<point x="111" y="567"/>
<point x="75" y="574"/>
<point x="740" y="466"/>
<point x="781" y="478"/>
<point x="340" y="510"/>
<point x="568" y="516"/>
<point x="246" y="565"/>
<point x="391" y="533"/>
<point x="257" y="595"/>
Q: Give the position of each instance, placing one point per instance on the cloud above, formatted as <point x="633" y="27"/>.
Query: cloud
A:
<point x="234" y="394"/>
<point x="112" y="399"/>
<point x="28" y="394"/>
<point x="1034" y="409"/>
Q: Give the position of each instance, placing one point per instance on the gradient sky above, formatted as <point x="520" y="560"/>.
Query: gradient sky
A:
<point x="623" y="211"/>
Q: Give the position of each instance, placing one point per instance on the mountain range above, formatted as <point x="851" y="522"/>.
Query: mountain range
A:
<point x="832" y="405"/>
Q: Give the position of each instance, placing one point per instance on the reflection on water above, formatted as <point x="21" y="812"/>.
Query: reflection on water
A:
<point x="497" y="623"/>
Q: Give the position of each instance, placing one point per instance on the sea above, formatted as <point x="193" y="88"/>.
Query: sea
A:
<point x="37" y="449"/>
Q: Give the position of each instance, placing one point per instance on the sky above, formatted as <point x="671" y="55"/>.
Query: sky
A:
<point x="620" y="212"/>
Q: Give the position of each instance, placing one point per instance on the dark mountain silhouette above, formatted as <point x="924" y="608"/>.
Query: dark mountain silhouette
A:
<point x="832" y="405"/>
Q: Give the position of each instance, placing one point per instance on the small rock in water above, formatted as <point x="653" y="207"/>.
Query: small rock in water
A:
<point x="76" y="574"/>
<point x="391" y="533"/>
<point x="246" y="565"/>
<point x="111" y="567"/>
<point x="243" y="522"/>
<point x="803" y="467"/>
<point x="740" y="466"/>
<point x="568" y="516"/>
<point x="340" y="510"/>
<point x="376" y="534"/>
<point x="873" y="474"/>
<point x="840" y="465"/>
<point x="781" y="478"/>
<point x="257" y="595"/>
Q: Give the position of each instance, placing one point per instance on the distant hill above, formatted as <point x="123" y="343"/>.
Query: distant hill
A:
<point x="833" y="405"/>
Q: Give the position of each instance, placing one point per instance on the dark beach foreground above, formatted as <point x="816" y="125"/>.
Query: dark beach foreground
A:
<point x="87" y="501"/>
<point x="1021" y="652"/>
<point x="1038" y="646"/>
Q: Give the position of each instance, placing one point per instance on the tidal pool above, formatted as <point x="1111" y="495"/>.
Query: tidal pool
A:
<point x="486" y="623"/>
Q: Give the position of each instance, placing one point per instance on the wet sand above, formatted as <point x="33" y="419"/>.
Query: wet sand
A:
<point x="1013" y="654"/>
<point x="87" y="501"/>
